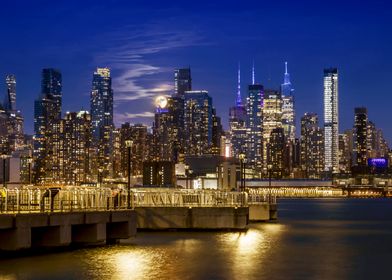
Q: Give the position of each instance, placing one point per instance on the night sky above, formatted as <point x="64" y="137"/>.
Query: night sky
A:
<point x="144" y="41"/>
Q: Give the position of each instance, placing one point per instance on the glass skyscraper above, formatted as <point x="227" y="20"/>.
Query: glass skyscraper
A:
<point x="47" y="123"/>
<point x="101" y="103"/>
<point x="331" y="120"/>
<point x="182" y="81"/>
<point x="288" y="112"/>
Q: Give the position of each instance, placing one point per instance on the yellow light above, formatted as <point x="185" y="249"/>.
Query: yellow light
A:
<point x="161" y="101"/>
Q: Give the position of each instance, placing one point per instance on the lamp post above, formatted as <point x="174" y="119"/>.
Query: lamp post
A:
<point x="75" y="176"/>
<point x="269" y="167"/>
<point x="4" y="157"/>
<point x="29" y="161"/>
<point x="128" y="144"/>
<point x="100" y="170"/>
<point x="242" y="173"/>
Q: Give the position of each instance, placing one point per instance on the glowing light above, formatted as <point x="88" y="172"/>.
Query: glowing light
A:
<point x="161" y="101"/>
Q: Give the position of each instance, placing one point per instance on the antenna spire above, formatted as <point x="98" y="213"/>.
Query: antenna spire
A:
<point x="253" y="73"/>
<point x="239" y="99"/>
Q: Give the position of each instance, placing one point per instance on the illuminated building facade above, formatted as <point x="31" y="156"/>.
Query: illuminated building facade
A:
<point x="345" y="151"/>
<point x="182" y="81"/>
<point x="288" y="112"/>
<point x="217" y="133"/>
<point x="101" y="103"/>
<point x="47" y="125"/>
<point x="276" y="151"/>
<point x="14" y="133"/>
<point x="77" y="143"/>
<point x="360" y="136"/>
<point x="272" y="118"/>
<point x="237" y="124"/>
<point x="197" y="122"/>
<point x="312" y="146"/>
<point x="254" y="125"/>
<point x="138" y="134"/>
<point x="331" y="120"/>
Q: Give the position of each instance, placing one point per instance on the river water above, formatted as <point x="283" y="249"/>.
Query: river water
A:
<point x="313" y="239"/>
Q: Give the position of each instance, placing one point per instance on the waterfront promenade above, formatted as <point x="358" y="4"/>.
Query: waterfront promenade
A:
<point x="36" y="217"/>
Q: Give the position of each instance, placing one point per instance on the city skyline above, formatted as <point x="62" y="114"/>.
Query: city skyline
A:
<point x="136" y="80"/>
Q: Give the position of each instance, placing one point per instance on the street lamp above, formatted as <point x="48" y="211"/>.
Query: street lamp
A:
<point x="242" y="172"/>
<point x="75" y="176"/>
<point x="29" y="162"/>
<point x="269" y="167"/>
<point x="100" y="170"/>
<point x="4" y="157"/>
<point x="128" y="144"/>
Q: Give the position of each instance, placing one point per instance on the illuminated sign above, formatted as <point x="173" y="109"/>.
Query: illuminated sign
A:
<point x="378" y="162"/>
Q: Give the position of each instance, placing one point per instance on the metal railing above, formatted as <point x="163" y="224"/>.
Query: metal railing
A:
<point x="190" y="198"/>
<point x="28" y="200"/>
<point x="254" y="198"/>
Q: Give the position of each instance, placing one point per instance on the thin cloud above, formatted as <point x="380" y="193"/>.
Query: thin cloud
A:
<point x="128" y="55"/>
<point x="127" y="117"/>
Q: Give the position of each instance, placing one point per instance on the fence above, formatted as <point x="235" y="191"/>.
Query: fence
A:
<point x="99" y="199"/>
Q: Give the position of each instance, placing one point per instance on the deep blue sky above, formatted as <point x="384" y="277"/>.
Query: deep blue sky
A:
<point x="143" y="41"/>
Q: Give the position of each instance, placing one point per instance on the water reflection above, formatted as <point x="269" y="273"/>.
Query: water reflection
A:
<point x="248" y="250"/>
<point x="310" y="241"/>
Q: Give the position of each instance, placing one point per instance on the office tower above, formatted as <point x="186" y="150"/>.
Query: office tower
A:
<point x="254" y="115"/>
<point x="360" y="136"/>
<point x="345" y="151"/>
<point x="288" y="111"/>
<point x="272" y="118"/>
<point x="47" y="123"/>
<point x="138" y="134"/>
<point x="77" y="140"/>
<point x="377" y="146"/>
<point x="312" y="146"/>
<point x="182" y="81"/>
<point x="175" y="106"/>
<point x="51" y="87"/>
<point x="197" y="122"/>
<point x="331" y="120"/>
<point x="164" y="131"/>
<point x="237" y="124"/>
<point x="10" y="98"/>
<point x="276" y="151"/>
<point x="217" y="133"/>
<point x="101" y="103"/>
<point x="14" y="117"/>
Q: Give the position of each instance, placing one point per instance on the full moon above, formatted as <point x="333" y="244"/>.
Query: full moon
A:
<point x="161" y="101"/>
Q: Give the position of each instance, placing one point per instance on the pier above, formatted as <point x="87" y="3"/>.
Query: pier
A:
<point x="34" y="217"/>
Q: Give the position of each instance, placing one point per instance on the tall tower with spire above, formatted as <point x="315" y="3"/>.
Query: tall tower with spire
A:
<point x="288" y="111"/>
<point x="237" y="122"/>
<point x="254" y="123"/>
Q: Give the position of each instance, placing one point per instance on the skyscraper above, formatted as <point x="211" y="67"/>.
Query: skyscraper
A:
<point x="272" y="118"/>
<point x="288" y="111"/>
<point x="312" y="146"/>
<point x="254" y="115"/>
<point x="101" y="103"/>
<point x="77" y="147"/>
<point x="10" y="97"/>
<point x="276" y="151"/>
<point x="14" y="130"/>
<point x="47" y="123"/>
<point x="237" y="123"/>
<point x="197" y="122"/>
<point x="182" y="81"/>
<point x="331" y="120"/>
<point x="360" y="136"/>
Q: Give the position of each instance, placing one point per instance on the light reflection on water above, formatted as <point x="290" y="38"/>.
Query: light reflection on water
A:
<point x="314" y="239"/>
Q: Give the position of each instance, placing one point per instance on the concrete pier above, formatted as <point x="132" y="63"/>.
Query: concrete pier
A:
<point x="34" y="230"/>
<point x="262" y="211"/>
<point x="198" y="218"/>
